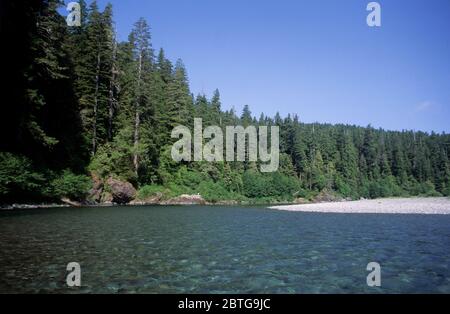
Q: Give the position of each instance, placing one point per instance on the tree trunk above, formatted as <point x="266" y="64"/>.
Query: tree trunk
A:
<point x="94" y="122"/>
<point x="112" y="87"/>
<point x="137" y="120"/>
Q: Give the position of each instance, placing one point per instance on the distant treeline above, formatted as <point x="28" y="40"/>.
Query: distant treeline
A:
<point x="81" y="103"/>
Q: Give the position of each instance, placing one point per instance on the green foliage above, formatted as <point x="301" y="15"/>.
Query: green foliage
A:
<point x="446" y="191"/>
<point x="18" y="179"/>
<point x="148" y="191"/>
<point x="85" y="102"/>
<point x="275" y="185"/>
<point x="214" y="192"/>
<point x="188" y="178"/>
<point x="70" y="185"/>
<point x="383" y="187"/>
<point x="428" y="189"/>
<point x="344" y="188"/>
<point x="115" y="158"/>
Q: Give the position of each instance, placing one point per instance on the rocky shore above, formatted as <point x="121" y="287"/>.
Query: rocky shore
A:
<point x="111" y="192"/>
<point x="180" y="200"/>
<point x="184" y="199"/>
<point x="437" y="205"/>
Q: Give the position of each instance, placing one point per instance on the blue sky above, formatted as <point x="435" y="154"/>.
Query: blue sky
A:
<point x="318" y="59"/>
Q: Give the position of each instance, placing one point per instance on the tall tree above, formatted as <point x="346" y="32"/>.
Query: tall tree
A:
<point x="216" y="108"/>
<point x="179" y="103"/>
<point x="114" y="87"/>
<point x="143" y="58"/>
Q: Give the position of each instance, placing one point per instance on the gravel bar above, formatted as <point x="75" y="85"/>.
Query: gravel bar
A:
<point x="436" y="205"/>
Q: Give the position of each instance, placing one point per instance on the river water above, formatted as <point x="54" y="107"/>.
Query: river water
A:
<point x="194" y="249"/>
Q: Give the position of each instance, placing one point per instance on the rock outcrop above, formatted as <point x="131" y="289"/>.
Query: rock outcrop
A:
<point x="111" y="191"/>
<point x="121" y="192"/>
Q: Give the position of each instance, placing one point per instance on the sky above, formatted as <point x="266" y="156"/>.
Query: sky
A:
<point x="317" y="59"/>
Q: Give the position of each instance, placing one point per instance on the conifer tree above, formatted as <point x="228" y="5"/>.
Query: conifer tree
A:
<point x="143" y="59"/>
<point x="216" y="108"/>
<point x="179" y="99"/>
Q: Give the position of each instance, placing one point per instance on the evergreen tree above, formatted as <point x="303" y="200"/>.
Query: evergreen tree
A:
<point x="76" y="91"/>
<point x="143" y="59"/>
<point x="216" y="108"/>
<point x="179" y="99"/>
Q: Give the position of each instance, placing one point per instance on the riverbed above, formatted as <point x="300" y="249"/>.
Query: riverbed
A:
<point x="221" y="249"/>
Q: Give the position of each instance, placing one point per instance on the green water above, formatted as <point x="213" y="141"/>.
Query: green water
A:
<point x="221" y="250"/>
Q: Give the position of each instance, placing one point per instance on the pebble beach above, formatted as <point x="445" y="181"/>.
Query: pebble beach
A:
<point x="437" y="205"/>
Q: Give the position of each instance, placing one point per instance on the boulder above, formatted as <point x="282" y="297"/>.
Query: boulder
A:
<point x="122" y="192"/>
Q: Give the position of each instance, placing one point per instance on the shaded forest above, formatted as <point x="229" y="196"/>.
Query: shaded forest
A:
<point x="79" y="104"/>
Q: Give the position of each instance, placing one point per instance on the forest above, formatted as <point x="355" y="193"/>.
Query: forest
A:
<point x="78" y="104"/>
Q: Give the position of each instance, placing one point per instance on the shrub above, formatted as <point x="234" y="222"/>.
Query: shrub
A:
<point x="71" y="186"/>
<point x="188" y="178"/>
<point x="255" y="185"/>
<point x="214" y="192"/>
<point x="283" y="187"/>
<point x="177" y="190"/>
<point x="428" y="189"/>
<point x="343" y="188"/>
<point x="446" y="192"/>
<point x="18" y="180"/>
<point x="389" y="187"/>
<point x="270" y="185"/>
<point x="114" y="158"/>
<point x="148" y="191"/>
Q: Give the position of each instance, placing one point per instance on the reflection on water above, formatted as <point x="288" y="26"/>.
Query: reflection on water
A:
<point x="221" y="250"/>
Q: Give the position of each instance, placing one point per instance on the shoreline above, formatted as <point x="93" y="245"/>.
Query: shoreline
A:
<point x="170" y="202"/>
<point x="136" y="204"/>
<point x="413" y="205"/>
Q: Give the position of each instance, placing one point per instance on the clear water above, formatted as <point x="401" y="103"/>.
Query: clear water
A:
<point x="221" y="250"/>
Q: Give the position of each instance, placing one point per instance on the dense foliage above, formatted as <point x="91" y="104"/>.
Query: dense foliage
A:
<point x="81" y="103"/>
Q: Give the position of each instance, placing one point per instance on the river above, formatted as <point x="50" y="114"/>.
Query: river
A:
<point x="220" y="249"/>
